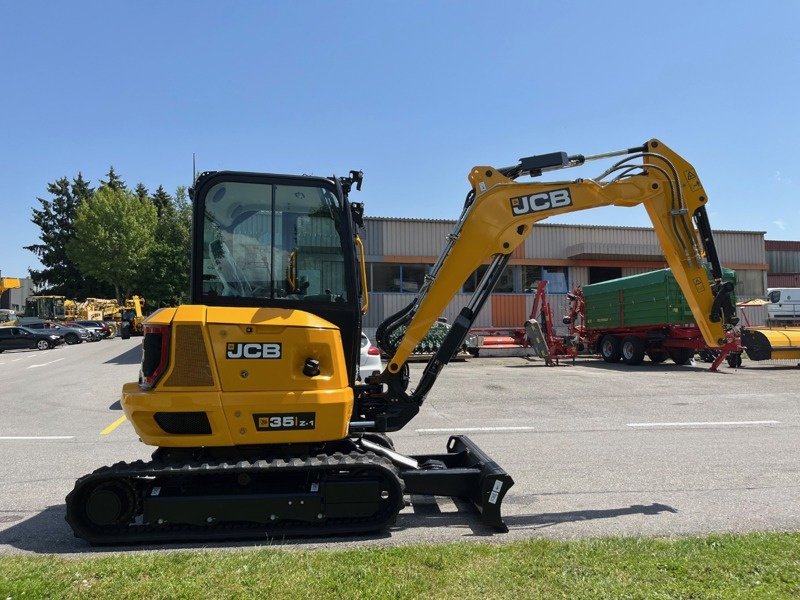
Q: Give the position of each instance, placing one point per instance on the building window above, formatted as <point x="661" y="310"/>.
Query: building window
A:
<point x="504" y="285"/>
<point x="413" y="276"/>
<point x="600" y="274"/>
<point x="531" y="274"/>
<point x="556" y="278"/>
<point x="388" y="277"/>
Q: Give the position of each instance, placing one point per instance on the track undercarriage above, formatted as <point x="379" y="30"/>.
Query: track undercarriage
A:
<point x="348" y="487"/>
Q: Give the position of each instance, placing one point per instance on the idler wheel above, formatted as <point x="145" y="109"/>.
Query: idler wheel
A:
<point x="110" y="503"/>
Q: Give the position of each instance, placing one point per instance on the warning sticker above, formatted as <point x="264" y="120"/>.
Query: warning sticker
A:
<point x="693" y="181"/>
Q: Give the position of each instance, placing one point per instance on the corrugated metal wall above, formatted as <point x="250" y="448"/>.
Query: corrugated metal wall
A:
<point x="752" y="315"/>
<point x="749" y="284"/>
<point x="508" y="310"/>
<point x="412" y="237"/>
<point x="417" y="238"/>
<point x="578" y="276"/>
<point x="782" y="261"/>
<point x="382" y="305"/>
<point x="741" y="247"/>
<point x="783" y="280"/>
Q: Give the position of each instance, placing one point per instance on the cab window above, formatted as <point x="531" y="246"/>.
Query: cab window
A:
<point x="273" y="242"/>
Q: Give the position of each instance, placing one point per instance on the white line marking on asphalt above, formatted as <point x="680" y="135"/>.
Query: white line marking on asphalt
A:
<point x="703" y="423"/>
<point x="37" y="437"/>
<point x="45" y="364"/>
<point x="13" y="360"/>
<point x="446" y="429"/>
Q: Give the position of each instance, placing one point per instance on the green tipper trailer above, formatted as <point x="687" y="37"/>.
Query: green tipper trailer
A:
<point x="642" y="315"/>
<point x="647" y="299"/>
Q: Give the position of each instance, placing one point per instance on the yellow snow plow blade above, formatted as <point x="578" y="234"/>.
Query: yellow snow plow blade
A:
<point x="763" y="343"/>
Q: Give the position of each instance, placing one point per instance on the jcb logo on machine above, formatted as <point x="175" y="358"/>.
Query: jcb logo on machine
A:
<point x="252" y="350"/>
<point x="284" y="421"/>
<point x="523" y="205"/>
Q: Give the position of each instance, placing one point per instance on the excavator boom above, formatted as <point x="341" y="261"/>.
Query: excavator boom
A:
<point x="499" y="215"/>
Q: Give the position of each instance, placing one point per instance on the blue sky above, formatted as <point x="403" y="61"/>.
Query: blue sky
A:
<point x="412" y="93"/>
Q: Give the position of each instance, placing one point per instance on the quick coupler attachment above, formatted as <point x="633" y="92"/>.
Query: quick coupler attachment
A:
<point x="464" y="472"/>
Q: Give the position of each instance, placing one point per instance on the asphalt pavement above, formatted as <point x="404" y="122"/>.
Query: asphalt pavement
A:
<point x="594" y="449"/>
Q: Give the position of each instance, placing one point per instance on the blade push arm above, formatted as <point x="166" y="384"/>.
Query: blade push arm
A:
<point x="500" y="212"/>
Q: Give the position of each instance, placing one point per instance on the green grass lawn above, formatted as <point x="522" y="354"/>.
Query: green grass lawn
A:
<point x="722" y="566"/>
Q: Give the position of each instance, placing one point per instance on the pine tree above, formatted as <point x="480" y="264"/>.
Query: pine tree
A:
<point x="59" y="275"/>
<point x="142" y="192"/>
<point x="114" y="181"/>
<point x="162" y="200"/>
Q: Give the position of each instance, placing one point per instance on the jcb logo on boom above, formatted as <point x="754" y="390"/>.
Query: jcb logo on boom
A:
<point x="243" y="350"/>
<point x="523" y="205"/>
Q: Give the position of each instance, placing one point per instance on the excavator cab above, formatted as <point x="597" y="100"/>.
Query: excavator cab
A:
<point x="277" y="241"/>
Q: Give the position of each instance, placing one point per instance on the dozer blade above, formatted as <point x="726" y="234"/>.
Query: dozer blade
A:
<point x="465" y="472"/>
<point x="772" y="344"/>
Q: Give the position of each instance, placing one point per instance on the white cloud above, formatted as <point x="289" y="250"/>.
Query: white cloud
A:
<point x="781" y="224"/>
<point x="780" y="178"/>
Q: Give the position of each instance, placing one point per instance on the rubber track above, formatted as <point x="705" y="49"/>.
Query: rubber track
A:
<point x="138" y="533"/>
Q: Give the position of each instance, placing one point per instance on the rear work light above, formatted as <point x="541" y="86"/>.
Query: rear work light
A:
<point x="155" y="355"/>
<point x="374" y="351"/>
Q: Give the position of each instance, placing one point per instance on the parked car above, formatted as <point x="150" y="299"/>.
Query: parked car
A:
<point x="15" y="338"/>
<point x="94" y="334"/>
<point x="370" y="358"/>
<point x="100" y="326"/>
<point x="71" y="335"/>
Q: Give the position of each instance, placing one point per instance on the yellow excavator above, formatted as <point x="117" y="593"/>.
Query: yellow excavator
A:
<point x="249" y="393"/>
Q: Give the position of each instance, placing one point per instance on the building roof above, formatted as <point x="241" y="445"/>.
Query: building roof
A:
<point x="785" y="245"/>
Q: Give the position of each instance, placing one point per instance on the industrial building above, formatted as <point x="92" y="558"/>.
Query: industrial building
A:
<point x="400" y="251"/>
<point x="783" y="258"/>
<point x="14" y="299"/>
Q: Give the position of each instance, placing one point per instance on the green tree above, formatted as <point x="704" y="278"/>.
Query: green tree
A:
<point x="141" y="192"/>
<point x="114" y="235"/>
<point x="166" y="281"/>
<point x="161" y="199"/>
<point x="55" y="218"/>
<point x="113" y="180"/>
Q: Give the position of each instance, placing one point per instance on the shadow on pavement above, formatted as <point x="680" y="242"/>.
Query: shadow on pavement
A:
<point x="550" y="519"/>
<point x="622" y="367"/>
<point x="48" y="533"/>
<point x="427" y="513"/>
<point x="129" y="357"/>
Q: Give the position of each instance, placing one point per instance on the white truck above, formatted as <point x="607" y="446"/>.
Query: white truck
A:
<point x="784" y="304"/>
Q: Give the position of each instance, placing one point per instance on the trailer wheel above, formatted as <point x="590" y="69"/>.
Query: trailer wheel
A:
<point x="657" y="356"/>
<point x="734" y="360"/>
<point x="708" y="355"/>
<point x="609" y="349"/>
<point x="632" y="350"/>
<point x="681" y="356"/>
